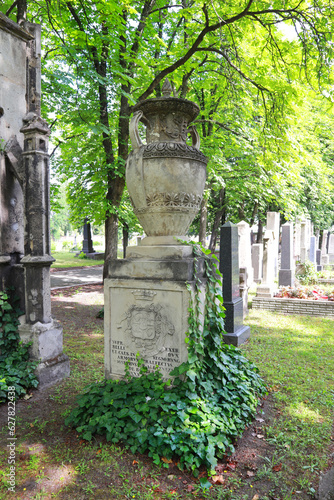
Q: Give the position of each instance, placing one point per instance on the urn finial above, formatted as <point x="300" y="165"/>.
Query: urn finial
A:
<point x="166" y="88"/>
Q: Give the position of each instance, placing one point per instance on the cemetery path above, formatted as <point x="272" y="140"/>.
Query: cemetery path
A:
<point x="76" y="276"/>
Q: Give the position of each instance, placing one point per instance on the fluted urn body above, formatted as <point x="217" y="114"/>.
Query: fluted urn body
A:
<point x="166" y="176"/>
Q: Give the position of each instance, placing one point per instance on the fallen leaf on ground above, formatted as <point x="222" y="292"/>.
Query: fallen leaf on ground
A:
<point x="166" y="460"/>
<point x="190" y="487"/>
<point x="277" y="467"/>
<point x="249" y="473"/>
<point x="256" y="497"/>
<point x="27" y="396"/>
<point x="260" y="436"/>
<point x="134" y="462"/>
<point x="171" y="477"/>
<point x="218" y="479"/>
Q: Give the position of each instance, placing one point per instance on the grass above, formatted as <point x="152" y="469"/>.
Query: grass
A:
<point x="68" y="259"/>
<point x="294" y="355"/>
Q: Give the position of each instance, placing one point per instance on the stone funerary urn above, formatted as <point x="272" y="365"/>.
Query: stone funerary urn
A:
<point x="147" y="293"/>
<point x="165" y="177"/>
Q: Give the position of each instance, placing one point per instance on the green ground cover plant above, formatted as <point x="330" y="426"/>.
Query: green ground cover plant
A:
<point x="69" y="259"/>
<point x="294" y="355"/>
<point x="213" y="396"/>
<point x="16" y="369"/>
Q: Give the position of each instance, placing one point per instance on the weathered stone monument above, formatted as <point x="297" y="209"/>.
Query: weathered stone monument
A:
<point x="318" y="259"/>
<point x="147" y="293"/>
<point x="296" y="241"/>
<point x="245" y="251"/>
<point x="312" y="251"/>
<point x="24" y="196"/>
<point x="257" y="261"/>
<point x="286" y="274"/>
<point x="273" y="225"/>
<point x="266" y="289"/>
<point x="305" y="226"/>
<point x="236" y="331"/>
<point x="331" y="248"/>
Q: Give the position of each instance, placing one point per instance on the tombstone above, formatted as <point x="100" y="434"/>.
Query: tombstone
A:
<point x="257" y="261"/>
<point x="245" y="249"/>
<point x="331" y="248"/>
<point x="318" y="260"/>
<point x="296" y="241"/>
<point x="312" y="252"/>
<point x="327" y="242"/>
<point x="266" y="289"/>
<point x="304" y="241"/>
<point x="286" y="275"/>
<point x="324" y="242"/>
<point x="24" y="198"/>
<point x="273" y="224"/>
<point x="236" y="331"/>
<point x="147" y="294"/>
<point x="325" y="260"/>
<point x="87" y="244"/>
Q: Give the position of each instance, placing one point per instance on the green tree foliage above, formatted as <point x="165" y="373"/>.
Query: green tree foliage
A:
<point x="232" y="58"/>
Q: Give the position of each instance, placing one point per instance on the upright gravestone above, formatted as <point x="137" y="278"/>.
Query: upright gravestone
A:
<point x="24" y="209"/>
<point x="273" y="223"/>
<point x="257" y="261"/>
<point x="266" y="289"/>
<point x="296" y="241"/>
<point x="324" y="254"/>
<point x="304" y="241"/>
<point x="245" y="249"/>
<point x="331" y="248"/>
<point x="287" y="271"/>
<point x="324" y="242"/>
<point x="236" y="331"/>
<point x="312" y="253"/>
<point x="87" y="244"/>
<point x="318" y="259"/>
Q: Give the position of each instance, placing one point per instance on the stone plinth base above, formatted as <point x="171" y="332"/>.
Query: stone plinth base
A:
<point x="47" y="346"/>
<point x="331" y="258"/>
<point x="265" y="291"/>
<point x="286" y="277"/>
<point x="146" y="309"/>
<point x="236" y="331"/>
<point x="238" y="337"/>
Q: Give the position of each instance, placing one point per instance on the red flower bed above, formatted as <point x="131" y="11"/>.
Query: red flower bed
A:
<point x="312" y="292"/>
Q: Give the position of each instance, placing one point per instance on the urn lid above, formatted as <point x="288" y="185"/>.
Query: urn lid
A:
<point x="167" y="104"/>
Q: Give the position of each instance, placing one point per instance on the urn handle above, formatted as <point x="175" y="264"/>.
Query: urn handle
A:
<point x="133" y="130"/>
<point x="195" y="136"/>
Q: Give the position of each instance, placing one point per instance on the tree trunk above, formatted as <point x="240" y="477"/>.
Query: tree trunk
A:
<point x="125" y="238"/>
<point x="203" y="220"/>
<point x="218" y="220"/>
<point x="111" y="239"/>
<point x="259" y="238"/>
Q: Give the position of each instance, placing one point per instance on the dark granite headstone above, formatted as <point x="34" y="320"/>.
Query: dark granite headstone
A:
<point x="318" y="259"/>
<point x="236" y="331"/>
<point x="87" y="244"/>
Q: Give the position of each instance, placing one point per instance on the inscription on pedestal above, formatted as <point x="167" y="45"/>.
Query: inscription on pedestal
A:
<point x="165" y="361"/>
<point x="150" y="322"/>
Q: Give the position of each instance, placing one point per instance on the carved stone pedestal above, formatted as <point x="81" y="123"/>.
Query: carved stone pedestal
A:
<point x="146" y="309"/>
<point x="47" y="347"/>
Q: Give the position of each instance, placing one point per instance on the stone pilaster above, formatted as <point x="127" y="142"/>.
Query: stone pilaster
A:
<point x="39" y="326"/>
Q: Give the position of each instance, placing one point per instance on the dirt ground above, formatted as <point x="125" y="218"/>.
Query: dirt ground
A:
<point x="66" y="467"/>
